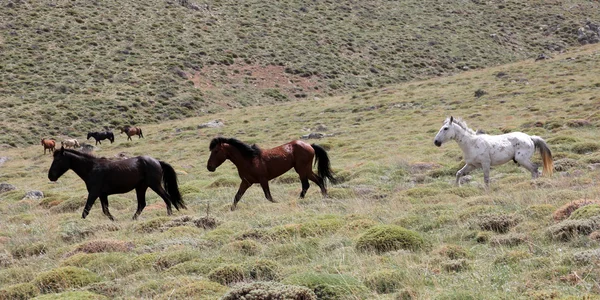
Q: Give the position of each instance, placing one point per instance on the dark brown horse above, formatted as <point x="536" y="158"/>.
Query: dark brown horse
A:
<point x="48" y="144"/>
<point x="104" y="177"/>
<point x="132" y="131"/>
<point x="259" y="166"/>
<point x="99" y="136"/>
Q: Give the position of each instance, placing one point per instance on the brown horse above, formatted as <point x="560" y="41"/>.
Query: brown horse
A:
<point x="132" y="131"/>
<point x="48" y="144"/>
<point x="259" y="166"/>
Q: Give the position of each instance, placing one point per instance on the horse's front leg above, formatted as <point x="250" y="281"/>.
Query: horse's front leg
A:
<point x="486" y="173"/>
<point x="463" y="171"/>
<point x="88" y="205"/>
<point x="265" y="186"/>
<point x="243" y="187"/>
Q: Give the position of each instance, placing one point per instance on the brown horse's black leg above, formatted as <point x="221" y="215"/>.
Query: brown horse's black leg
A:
<point x="163" y="194"/>
<point x="305" y="186"/>
<point x="141" y="197"/>
<point x="88" y="205"/>
<point x="104" y="202"/>
<point x="319" y="181"/>
<point x="243" y="187"/>
<point x="265" y="186"/>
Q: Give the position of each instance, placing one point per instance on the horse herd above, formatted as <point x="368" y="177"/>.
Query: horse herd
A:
<point x="104" y="177"/>
<point x="99" y="136"/>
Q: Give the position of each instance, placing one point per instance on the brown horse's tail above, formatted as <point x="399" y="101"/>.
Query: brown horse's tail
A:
<point x="323" y="164"/>
<point x="170" y="182"/>
<point x="546" y="155"/>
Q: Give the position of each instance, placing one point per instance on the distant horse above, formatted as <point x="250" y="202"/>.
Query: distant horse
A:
<point x="483" y="151"/>
<point x="105" y="177"/>
<point x="259" y="166"/>
<point x="99" y="136"/>
<point x="48" y="144"/>
<point x="69" y="143"/>
<point x="132" y="131"/>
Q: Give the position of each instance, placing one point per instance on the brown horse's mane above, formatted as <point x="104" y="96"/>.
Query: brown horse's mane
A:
<point x="245" y="149"/>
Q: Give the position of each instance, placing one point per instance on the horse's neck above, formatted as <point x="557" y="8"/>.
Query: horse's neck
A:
<point x="81" y="165"/>
<point x="464" y="138"/>
<point x="236" y="157"/>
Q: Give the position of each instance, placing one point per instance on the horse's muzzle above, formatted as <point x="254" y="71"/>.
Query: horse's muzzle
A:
<point x="437" y="143"/>
<point x="211" y="168"/>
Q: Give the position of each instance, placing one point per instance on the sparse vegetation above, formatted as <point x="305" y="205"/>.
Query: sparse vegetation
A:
<point x="439" y="240"/>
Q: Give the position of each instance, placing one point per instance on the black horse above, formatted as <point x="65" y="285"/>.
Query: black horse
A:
<point x="105" y="177"/>
<point x="99" y="136"/>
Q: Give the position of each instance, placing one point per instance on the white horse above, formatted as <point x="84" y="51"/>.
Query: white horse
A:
<point x="483" y="151"/>
<point x="69" y="143"/>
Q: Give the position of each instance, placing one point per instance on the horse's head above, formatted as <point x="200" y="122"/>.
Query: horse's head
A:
<point x="43" y="141"/>
<point x="60" y="164"/>
<point x="445" y="133"/>
<point x="218" y="155"/>
<point x="90" y="134"/>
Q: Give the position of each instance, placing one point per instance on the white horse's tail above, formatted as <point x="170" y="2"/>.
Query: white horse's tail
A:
<point x="546" y="155"/>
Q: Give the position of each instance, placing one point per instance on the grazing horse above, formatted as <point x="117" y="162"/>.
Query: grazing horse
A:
<point x="48" y="144"/>
<point x="104" y="177"/>
<point x="483" y="150"/>
<point x="99" y="136"/>
<point x="259" y="166"/>
<point x="132" y="131"/>
<point x="69" y="143"/>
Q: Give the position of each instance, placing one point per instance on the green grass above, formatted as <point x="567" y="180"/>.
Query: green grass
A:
<point x="68" y="67"/>
<point x="479" y="243"/>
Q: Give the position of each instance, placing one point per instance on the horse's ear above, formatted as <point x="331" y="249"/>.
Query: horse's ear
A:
<point x="451" y="119"/>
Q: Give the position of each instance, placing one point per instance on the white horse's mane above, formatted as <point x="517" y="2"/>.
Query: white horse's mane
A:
<point x="462" y="124"/>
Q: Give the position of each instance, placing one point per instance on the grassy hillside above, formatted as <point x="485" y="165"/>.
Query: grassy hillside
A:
<point x="513" y="241"/>
<point x="67" y="67"/>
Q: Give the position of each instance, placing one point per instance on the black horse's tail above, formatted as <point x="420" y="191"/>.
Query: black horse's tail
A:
<point x="170" y="182"/>
<point x="141" y="135"/>
<point x="111" y="137"/>
<point x="323" y="164"/>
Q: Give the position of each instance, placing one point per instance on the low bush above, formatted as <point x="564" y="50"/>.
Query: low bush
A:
<point x="227" y="274"/>
<point x="64" y="278"/>
<point x="329" y="286"/>
<point x="269" y="290"/>
<point x="383" y="238"/>
<point x="385" y="281"/>
<point x="19" y="291"/>
<point x="500" y="223"/>
<point x="201" y="290"/>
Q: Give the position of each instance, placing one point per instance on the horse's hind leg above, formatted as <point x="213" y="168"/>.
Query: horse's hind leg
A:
<point x="531" y="167"/>
<point x="305" y="186"/>
<point x="104" y="202"/>
<point x="319" y="181"/>
<point x="164" y="195"/>
<point x="141" y="197"/>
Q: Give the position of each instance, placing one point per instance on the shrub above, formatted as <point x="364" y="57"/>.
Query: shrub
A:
<point x="5" y="260"/>
<point x="383" y="238"/>
<point x="224" y="182"/>
<point x="455" y="265"/>
<point x="567" y="229"/>
<point x="538" y="211"/>
<point x="327" y="224"/>
<point x="169" y="259"/>
<point x="511" y="257"/>
<point x="328" y="286"/>
<point x="587" y="257"/>
<point x="585" y="147"/>
<point x="26" y="250"/>
<point x="500" y="223"/>
<point x="227" y="274"/>
<point x="509" y="240"/>
<point x="269" y="290"/>
<point x="19" y="291"/>
<point x="385" y="281"/>
<point x="262" y="270"/>
<point x="69" y="205"/>
<point x="453" y="252"/>
<point x="64" y="278"/>
<point x="103" y="246"/>
<point x="586" y="212"/>
<point x="566" y="210"/>
<point x="198" y="290"/>
<point x="483" y="236"/>
<point x="16" y="274"/>
<point x="245" y="247"/>
<point x="72" y="295"/>
<point x="151" y="225"/>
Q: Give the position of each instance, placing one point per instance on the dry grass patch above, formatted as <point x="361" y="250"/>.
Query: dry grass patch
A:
<point x="500" y="223"/>
<point x="384" y="238"/>
<point x="64" y="278"/>
<point x="565" y="211"/>
<point x="103" y="246"/>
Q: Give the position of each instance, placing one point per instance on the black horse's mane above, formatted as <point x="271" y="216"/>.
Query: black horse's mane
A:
<point x="245" y="149"/>
<point x="78" y="153"/>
